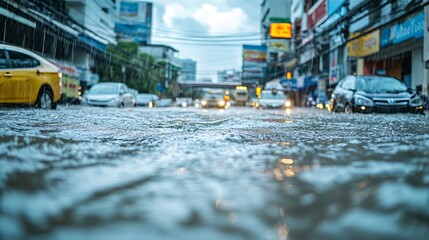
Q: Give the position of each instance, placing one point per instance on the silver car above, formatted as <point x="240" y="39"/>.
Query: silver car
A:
<point x="109" y="94"/>
<point x="273" y="99"/>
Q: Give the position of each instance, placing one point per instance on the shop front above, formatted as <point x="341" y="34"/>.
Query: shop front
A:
<point x="360" y="51"/>
<point x="401" y="52"/>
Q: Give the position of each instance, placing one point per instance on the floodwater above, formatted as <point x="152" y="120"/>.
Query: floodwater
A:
<point x="173" y="173"/>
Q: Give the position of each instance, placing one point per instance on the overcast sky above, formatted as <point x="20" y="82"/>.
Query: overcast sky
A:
<point x="190" y="25"/>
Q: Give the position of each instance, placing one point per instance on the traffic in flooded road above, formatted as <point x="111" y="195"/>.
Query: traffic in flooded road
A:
<point x="192" y="173"/>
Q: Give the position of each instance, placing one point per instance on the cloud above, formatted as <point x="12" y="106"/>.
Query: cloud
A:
<point x="172" y="12"/>
<point x="217" y="21"/>
<point x="231" y="20"/>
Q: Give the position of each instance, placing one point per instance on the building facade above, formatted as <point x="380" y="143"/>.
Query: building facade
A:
<point x="335" y="38"/>
<point x="168" y="59"/>
<point x="188" y="73"/>
<point x="275" y="11"/>
<point x="98" y="21"/>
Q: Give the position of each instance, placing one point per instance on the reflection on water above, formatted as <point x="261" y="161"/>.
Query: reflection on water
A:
<point x="90" y="173"/>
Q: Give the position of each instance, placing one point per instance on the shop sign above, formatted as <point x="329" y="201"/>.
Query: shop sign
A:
<point x="279" y="45"/>
<point x="410" y="29"/>
<point x="365" y="45"/>
<point x="281" y="30"/>
<point x="316" y="13"/>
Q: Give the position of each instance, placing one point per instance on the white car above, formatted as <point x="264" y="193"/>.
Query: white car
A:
<point x="147" y="100"/>
<point x="184" y="102"/>
<point x="273" y="99"/>
<point x="109" y="94"/>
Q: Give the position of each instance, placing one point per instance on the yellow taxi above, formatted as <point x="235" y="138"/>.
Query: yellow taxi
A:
<point x="27" y="78"/>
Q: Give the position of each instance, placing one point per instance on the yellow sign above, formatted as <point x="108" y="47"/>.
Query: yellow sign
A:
<point x="258" y="91"/>
<point x="281" y="30"/>
<point x="365" y="45"/>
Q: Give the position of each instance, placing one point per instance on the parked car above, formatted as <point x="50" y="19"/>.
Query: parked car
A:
<point x="147" y="100"/>
<point x="109" y="94"/>
<point x="184" y="102"/>
<point x="134" y="92"/>
<point x="213" y="100"/>
<point x="374" y="94"/>
<point x="27" y="78"/>
<point x="273" y="99"/>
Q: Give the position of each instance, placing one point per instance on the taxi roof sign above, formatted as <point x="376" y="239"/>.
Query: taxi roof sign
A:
<point x="241" y="88"/>
<point x="281" y="30"/>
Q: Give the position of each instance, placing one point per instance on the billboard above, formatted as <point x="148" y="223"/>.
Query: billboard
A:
<point x="365" y="45"/>
<point x="129" y="10"/>
<point x="254" y="63"/>
<point x="281" y="30"/>
<point x="135" y="20"/>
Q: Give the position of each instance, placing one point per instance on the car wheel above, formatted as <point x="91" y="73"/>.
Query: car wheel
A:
<point x="46" y="99"/>
<point x="348" y="109"/>
<point x="335" y="109"/>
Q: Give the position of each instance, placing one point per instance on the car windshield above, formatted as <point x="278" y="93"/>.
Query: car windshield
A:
<point x="104" y="89"/>
<point x="380" y="85"/>
<point x="270" y="95"/>
<point x="214" y="96"/>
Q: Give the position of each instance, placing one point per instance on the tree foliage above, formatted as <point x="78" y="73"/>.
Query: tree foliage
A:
<point x="123" y="63"/>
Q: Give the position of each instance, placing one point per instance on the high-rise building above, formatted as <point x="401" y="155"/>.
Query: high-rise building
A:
<point x="189" y="71"/>
<point x="134" y="20"/>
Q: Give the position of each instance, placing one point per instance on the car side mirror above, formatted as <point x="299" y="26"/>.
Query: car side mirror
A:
<point x="410" y="90"/>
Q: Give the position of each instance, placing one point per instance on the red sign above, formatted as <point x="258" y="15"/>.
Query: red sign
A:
<point x="316" y="13"/>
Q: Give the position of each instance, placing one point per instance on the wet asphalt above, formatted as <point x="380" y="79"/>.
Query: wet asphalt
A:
<point x="186" y="173"/>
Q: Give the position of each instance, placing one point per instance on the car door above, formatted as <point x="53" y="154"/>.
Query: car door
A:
<point x="3" y="66"/>
<point x="20" y="78"/>
<point x="349" y="88"/>
<point x="125" y="95"/>
<point x="338" y="93"/>
<point x="345" y="92"/>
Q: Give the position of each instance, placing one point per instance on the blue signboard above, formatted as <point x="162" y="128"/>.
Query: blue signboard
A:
<point x="137" y="32"/>
<point x="410" y="29"/>
<point x="129" y="9"/>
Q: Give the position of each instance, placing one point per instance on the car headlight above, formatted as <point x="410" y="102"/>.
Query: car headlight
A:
<point x="363" y="101"/>
<point x="288" y="104"/>
<point x="203" y="102"/>
<point x="221" y="103"/>
<point x="417" y="101"/>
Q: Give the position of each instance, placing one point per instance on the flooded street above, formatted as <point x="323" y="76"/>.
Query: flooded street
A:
<point x="186" y="173"/>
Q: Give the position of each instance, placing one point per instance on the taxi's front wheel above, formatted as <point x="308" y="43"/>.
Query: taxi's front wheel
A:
<point x="46" y="99"/>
